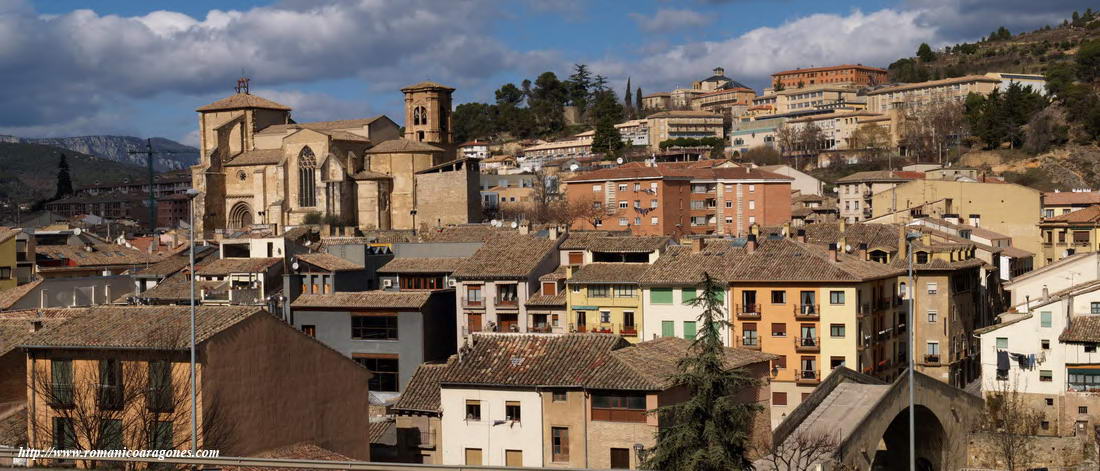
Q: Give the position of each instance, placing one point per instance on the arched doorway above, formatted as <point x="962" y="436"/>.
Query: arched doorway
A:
<point x="240" y="217"/>
<point x="930" y="443"/>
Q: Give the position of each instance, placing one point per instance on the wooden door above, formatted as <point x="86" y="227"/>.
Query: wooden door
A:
<point x="473" y="320"/>
<point x="473" y="456"/>
<point x="513" y="458"/>
<point x="620" y="458"/>
<point x="508" y="322"/>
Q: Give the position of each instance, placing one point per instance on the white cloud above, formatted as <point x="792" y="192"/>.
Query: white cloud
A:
<point x="968" y="20"/>
<point x="666" y="20"/>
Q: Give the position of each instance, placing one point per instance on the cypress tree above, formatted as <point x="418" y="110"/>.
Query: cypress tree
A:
<point x="638" y="101"/>
<point x="711" y="431"/>
<point x="64" y="181"/>
<point x="628" y="103"/>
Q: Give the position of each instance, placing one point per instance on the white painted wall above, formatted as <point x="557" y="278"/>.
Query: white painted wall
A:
<point x="458" y="434"/>
<point x="1054" y="277"/>
<point x="677" y="312"/>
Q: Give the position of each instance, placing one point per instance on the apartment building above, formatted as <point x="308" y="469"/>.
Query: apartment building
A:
<point x="548" y="307"/>
<point x="239" y="280"/>
<point x="857" y="74"/>
<point x="991" y="247"/>
<point x="540" y="154"/>
<point x="1068" y="234"/>
<point x="1010" y="209"/>
<point x="1058" y="276"/>
<point x="667" y="125"/>
<point x="1046" y="352"/>
<point x="572" y="400"/>
<point x="733" y="101"/>
<point x="474" y="150"/>
<point x="323" y="273"/>
<point x="677" y="200"/>
<point x="657" y="101"/>
<point x="671" y="284"/>
<point x="749" y="134"/>
<point x="799" y="100"/>
<point x="855" y="192"/>
<point x="9" y="258"/>
<point x="115" y="377"/>
<point x="389" y="333"/>
<point x="495" y="283"/>
<point x="1060" y="203"/>
<point x="837" y="128"/>
<point x="605" y="298"/>
<point x="919" y="96"/>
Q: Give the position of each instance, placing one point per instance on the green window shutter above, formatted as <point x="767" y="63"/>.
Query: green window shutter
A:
<point x="689" y="330"/>
<point x="660" y="295"/>
<point x="1044" y="318"/>
<point x="668" y="329"/>
<point x="1002" y="343"/>
<point x="688" y="294"/>
<point x="722" y="296"/>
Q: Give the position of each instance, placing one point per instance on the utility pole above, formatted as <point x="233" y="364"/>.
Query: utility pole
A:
<point x="152" y="180"/>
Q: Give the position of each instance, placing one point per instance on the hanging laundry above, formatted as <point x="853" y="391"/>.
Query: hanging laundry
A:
<point x="1002" y="361"/>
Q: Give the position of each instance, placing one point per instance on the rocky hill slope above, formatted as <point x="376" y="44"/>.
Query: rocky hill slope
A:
<point x="176" y="156"/>
<point x="30" y="171"/>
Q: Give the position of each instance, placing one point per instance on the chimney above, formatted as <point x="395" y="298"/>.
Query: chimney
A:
<point x="42" y="299"/>
<point x="787" y="229"/>
<point x="754" y="229"/>
<point x="800" y="235"/>
<point x="832" y="252"/>
<point x="750" y="244"/>
<point x="569" y="272"/>
<point x="862" y="251"/>
<point x="842" y="244"/>
<point x="697" y="245"/>
<point x="843" y="226"/>
<point x="36" y="325"/>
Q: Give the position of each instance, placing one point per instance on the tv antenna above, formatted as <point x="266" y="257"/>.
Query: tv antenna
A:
<point x="152" y="179"/>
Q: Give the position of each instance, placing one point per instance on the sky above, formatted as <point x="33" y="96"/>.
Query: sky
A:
<point x="140" y="68"/>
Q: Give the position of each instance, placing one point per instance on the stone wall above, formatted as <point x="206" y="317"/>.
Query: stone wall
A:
<point x="1049" y="452"/>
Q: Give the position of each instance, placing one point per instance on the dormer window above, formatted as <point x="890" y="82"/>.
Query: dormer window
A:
<point x="921" y="257"/>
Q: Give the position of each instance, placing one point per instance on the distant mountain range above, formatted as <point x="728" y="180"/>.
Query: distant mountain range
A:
<point x="176" y="156"/>
<point x="30" y="170"/>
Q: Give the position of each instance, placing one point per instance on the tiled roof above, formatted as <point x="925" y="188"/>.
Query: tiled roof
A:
<point x="426" y="84"/>
<point x="1059" y="198"/>
<point x="883" y="236"/>
<point x="1005" y="319"/>
<point x="142" y="327"/>
<point x="369" y="175"/>
<point x="580" y="240"/>
<point x="881" y="176"/>
<point x="466" y="233"/>
<point x="683" y="114"/>
<point x="642" y="244"/>
<point x="256" y="157"/>
<point x="686" y="170"/>
<point x="658" y="360"/>
<point x="542" y="300"/>
<point x="297" y="451"/>
<point x="177" y="288"/>
<point x="1085" y="328"/>
<point x="609" y="273"/>
<point x="8" y="297"/>
<point x="402" y="145"/>
<point x="364" y="299"/>
<point x="512" y="257"/>
<point x="14" y="331"/>
<point x="421" y="265"/>
<point x="321" y="125"/>
<point x="326" y="261"/>
<point x="934" y="83"/>
<point x="7" y="233"/>
<point x="790" y="260"/>
<point x="101" y="254"/>
<point x="226" y="266"/>
<point x="831" y="67"/>
<point x="178" y="262"/>
<point x="242" y="100"/>
<point x="13" y="428"/>
<point x="558" y="274"/>
<point x="679" y="266"/>
<point x="422" y="392"/>
<point x="1089" y="215"/>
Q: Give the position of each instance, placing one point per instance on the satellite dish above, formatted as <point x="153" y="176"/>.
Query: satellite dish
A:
<point x="294" y="265"/>
<point x="619" y="160"/>
<point x="847" y="247"/>
<point x="494" y="223"/>
<point x="515" y="224"/>
<point x="574" y="167"/>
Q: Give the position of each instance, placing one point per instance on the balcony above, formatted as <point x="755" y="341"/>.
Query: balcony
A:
<point x="748" y="311"/>
<point x="474" y="303"/>
<point x="540" y="329"/>
<point x="61" y="395"/>
<point x="932" y="360"/>
<point x="807" y="344"/>
<point x="807" y="376"/>
<point x="807" y="312"/>
<point x="509" y="301"/>
<point x="751" y="343"/>
<point x="864" y="310"/>
<point x="159" y="400"/>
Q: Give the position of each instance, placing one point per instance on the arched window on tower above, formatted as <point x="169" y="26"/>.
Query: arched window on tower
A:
<point x="307" y="186"/>
<point x="420" y="115"/>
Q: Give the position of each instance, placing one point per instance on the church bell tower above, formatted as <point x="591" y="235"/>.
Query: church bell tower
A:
<point x="428" y="114"/>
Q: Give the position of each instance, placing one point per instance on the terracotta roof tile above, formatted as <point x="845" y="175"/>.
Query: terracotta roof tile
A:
<point x="14" y="331"/>
<point x="365" y="299"/>
<point x="542" y="300"/>
<point x="1059" y="198"/>
<point x="881" y="176"/>
<point x="226" y="266"/>
<point x="10" y="296"/>
<point x="508" y="258"/>
<point x="421" y="265"/>
<point x="1089" y="215"/>
<point x="659" y="359"/>
<point x="101" y="254"/>
<point x="680" y="267"/>
<point x="402" y="145"/>
<point x="422" y="392"/>
<point x="467" y="233"/>
<point x="297" y="451"/>
<point x="256" y="157"/>
<point x="1085" y="328"/>
<point x="608" y="273"/>
<point x="637" y="244"/>
<point x="142" y="327"/>
<point x="242" y="100"/>
<point x="326" y="261"/>
<point x="177" y="288"/>
<point x="342" y="124"/>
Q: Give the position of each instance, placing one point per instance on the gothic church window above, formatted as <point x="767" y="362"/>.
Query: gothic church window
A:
<point x="307" y="186"/>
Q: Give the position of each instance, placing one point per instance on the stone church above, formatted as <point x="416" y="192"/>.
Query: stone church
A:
<point x="259" y="166"/>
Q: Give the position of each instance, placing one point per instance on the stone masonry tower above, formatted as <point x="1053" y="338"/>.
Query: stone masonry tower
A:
<point x="428" y="114"/>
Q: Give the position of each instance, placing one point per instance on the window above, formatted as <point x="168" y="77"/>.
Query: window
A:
<point x="836" y="362"/>
<point x="689" y="330"/>
<point x="473" y="410"/>
<point x="599" y="291"/>
<point x="836" y="297"/>
<point x="779" y="329"/>
<point x="660" y="296"/>
<point x="637" y="187"/>
<point x="637" y="204"/>
<point x="512" y="411"/>
<point x="1046" y="375"/>
<point x="64" y="434"/>
<point x="836" y="330"/>
<point x="310" y="330"/>
<point x="109" y="395"/>
<point x="160" y="386"/>
<point x="779" y="398"/>
<point x="653" y="220"/>
<point x="779" y="297"/>
<point x="1002" y="343"/>
<point x="932" y="315"/>
<point x="752" y="204"/>
<point x="1044" y="344"/>
<point x="1050" y="401"/>
<point x="473" y="456"/>
<point x="687" y="295"/>
<point x="749" y="336"/>
<point x="605" y="317"/>
<point x="624" y="291"/>
<point x="110" y="434"/>
<point x="752" y="220"/>
<point x="618" y="407"/>
<point x="61" y="390"/>
<point x="307" y="185"/>
<point x="1094" y="308"/>
<point x="652" y="203"/>
<point x="1090" y="348"/>
<point x="374" y="327"/>
<point x="933" y="348"/>
<point x="628" y="319"/>
<point x="559" y="439"/>
<point x="1082" y="409"/>
<point x="575" y="288"/>
<point x="729" y="220"/>
<point x="932" y="288"/>
<point x="729" y="204"/>
<point x="1044" y="319"/>
<point x="160" y="435"/>
<point x="622" y="187"/>
<point x="668" y="328"/>
<point x="623" y="205"/>
<point x="473" y="295"/>
<point x="597" y="188"/>
<point x="752" y="188"/>
<point x="623" y="221"/>
<point x="559" y="396"/>
<point x="383" y="367"/>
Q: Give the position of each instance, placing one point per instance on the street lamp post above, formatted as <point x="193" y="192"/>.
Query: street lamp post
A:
<point x="909" y="238"/>
<point x="191" y="194"/>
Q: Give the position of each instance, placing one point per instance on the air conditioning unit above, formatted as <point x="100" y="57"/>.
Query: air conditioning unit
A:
<point x="387" y="283"/>
<point x="450" y="283"/>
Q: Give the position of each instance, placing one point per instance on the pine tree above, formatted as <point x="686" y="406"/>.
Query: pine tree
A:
<point x="710" y="431"/>
<point x="924" y="52"/>
<point x="638" y="102"/>
<point x="64" y="181"/>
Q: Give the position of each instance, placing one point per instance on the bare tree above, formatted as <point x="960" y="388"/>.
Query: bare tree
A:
<point x="1011" y="423"/>
<point x="872" y="139"/>
<point x="931" y="132"/>
<point x="589" y="210"/>
<point x="801" y="451"/>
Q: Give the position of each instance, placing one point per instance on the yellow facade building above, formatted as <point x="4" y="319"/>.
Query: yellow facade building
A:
<point x="9" y="259"/>
<point x="605" y="297"/>
<point x="1069" y="234"/>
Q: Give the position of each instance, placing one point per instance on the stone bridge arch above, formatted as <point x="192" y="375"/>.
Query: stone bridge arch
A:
<point x="871" y="420"/>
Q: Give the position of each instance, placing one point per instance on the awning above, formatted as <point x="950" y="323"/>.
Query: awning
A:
<point x="585" y="308"/>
